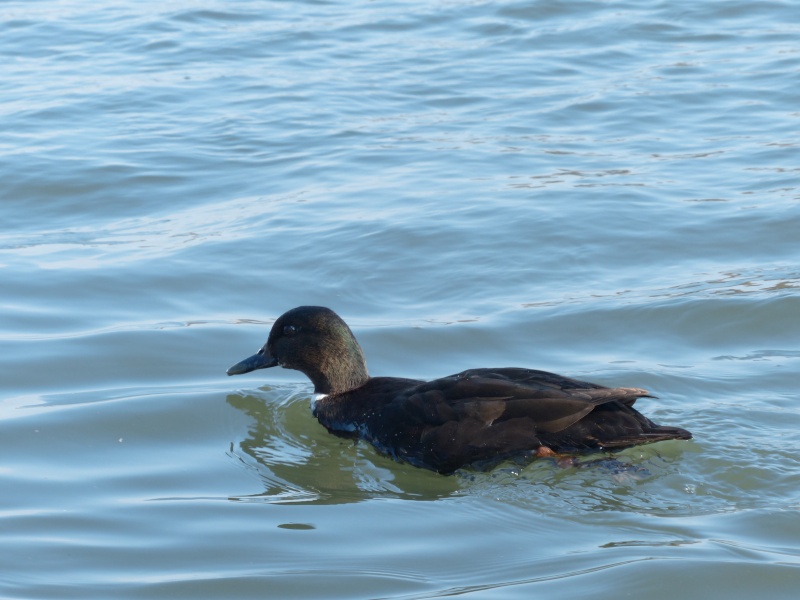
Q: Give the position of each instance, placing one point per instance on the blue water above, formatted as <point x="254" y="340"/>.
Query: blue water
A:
<point x="608" y="190"/>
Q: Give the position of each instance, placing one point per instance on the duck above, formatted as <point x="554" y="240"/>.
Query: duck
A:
<point x="472" y="419"/>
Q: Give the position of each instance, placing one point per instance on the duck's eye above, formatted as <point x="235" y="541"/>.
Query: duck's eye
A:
<point x="289" y="330"/>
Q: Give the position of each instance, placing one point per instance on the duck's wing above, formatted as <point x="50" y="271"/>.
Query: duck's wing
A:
<point x="483" y="414"/>
<point x="552" y="402"/>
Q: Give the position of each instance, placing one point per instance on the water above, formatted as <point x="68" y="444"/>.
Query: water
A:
<point x="608" y="190"/>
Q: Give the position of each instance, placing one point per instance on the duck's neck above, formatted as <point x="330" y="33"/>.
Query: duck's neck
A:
<point x="345" y="370"/>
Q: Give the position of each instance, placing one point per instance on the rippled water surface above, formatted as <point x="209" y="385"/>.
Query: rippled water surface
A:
<point x="609" y="190"/>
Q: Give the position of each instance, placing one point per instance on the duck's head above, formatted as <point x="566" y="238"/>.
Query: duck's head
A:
<point x="317" y="342"/>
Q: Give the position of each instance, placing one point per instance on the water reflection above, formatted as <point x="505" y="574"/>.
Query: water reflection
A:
<point x="300" y="462"/>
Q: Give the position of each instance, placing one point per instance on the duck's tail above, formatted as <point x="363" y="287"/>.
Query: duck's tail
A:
<point x="657" y="433"/>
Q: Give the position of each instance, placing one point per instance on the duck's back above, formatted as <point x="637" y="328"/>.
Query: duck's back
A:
<point x="487" y="414"/>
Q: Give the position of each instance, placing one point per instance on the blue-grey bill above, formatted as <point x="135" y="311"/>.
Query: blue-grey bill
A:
<point x="261" y="360"/>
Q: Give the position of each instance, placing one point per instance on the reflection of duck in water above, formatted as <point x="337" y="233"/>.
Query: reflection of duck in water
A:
<point x="275" y="448"/>
<point x="297" y="462"/>
<point x="477" y="416"/>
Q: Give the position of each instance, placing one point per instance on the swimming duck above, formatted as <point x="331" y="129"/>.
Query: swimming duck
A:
<point x="476" y="417"/>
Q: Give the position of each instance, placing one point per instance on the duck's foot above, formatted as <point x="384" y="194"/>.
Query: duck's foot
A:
<point x="544" y="451"/>
<point x="562" y="460"/>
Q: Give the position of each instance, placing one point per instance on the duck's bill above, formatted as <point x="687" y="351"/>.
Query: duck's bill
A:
<point x="261" y="360"/>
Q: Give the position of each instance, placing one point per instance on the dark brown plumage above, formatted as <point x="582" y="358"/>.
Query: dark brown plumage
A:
<point x="475" y="417"/>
